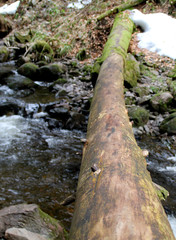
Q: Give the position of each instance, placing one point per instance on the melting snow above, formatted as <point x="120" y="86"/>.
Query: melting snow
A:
<point x="159" y="32"/>
<point x="10" y="9"/>
<point x="79" y="4"/>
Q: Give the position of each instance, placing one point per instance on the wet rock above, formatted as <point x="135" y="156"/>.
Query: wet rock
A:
<point x="31" y="218"/>
<point x="169" y="124"/>
<point x="5" y="26"/>
<point x="4" y="53"/>
<point x="51" y="72"/>
<point x="131" y="71"/>
<point x="138" y="115"/>
<point x="22" y="233"/>
<point x="29" y="70"/>
<point x="160" y="102"/>
<point x="19" y="82"/>
<point x="5" y="72"/>
<point x="59" y="111"/>
<point x="77" y="121"/>
<point x="9" y="107"/>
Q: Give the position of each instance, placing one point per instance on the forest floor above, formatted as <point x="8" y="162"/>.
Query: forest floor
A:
<point x="71" y="29"/>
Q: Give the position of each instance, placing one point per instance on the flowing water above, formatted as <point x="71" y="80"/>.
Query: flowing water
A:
<point x="40" y="165"/>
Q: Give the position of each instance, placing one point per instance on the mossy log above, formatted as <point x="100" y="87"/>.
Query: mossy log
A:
<point x="120" y="8"/>
<point x="116" y="199"/>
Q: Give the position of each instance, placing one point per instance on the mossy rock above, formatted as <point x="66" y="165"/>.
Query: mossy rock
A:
<point x="131" y="71"/>
<point x="141" y="91"/>
<point x="81" y="55"/>
<point x="172" y="88"/>
<point x="43" y="51"/>
<point x="22" y="38"/>
<point x="42" y="47"/>
<point x="28" y="70"/>
<point x="4" y="54"/>
<point x="169" y="124"/>
<point x="172" y="74"/>
<point x="161" y="101"/>
<point x="21" y="83"/>
<point x="51" y="72"/>
<point x="138" y="115"/>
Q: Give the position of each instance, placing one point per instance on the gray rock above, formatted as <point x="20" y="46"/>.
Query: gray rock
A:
<point x="51" y="72"/>
<point x="138" y="115"/>
<point x="160" y="101"/>
<point x="22" y="234"/>
<point x="169" y="124"/>
<point x="30" y="217"/>
<point x="28" y="70"/>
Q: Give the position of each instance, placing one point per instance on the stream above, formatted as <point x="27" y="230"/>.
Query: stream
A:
<point x="40" y="161"/>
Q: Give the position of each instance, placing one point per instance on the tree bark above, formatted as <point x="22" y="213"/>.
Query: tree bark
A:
<point x="129" y="4"/>
<point x="116" y="199"/>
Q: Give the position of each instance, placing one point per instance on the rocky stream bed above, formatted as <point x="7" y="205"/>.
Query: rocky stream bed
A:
<point x="44" y="109"/>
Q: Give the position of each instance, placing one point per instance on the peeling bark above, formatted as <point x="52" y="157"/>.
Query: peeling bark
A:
<point x="116" y="199"/>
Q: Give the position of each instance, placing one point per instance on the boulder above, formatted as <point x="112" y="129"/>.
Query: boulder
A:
<point x="29" y="70"/>
<point x="51" y="72"/>
<point x="5" y="72"/>
<point x="172" y="88"/>
<point x="131" y="71"/>
<point x="4" y="53"/>
<point x="169" y="124"/>
<point x="22" y="233"/>
<point x="9" y="106"/>
<point x="76" y="121"/>
<point x="31" y="218"/>
<point x="138" y="115"/>
<point x="19" y="82"/>
<point x="5" y="26"/>
<point x="160" y="101"/>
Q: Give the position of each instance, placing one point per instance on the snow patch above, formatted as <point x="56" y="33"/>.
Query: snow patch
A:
<point x="159" y="32"/>
<point x="79" y="4"/>
<point x="172" y="221"/>
<point x="9" y="9"/>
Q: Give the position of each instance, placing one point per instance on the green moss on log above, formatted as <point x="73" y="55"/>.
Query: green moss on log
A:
<point x="119" y="38"/>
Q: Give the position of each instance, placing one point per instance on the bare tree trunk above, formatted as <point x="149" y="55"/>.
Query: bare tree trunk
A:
<point x="116" y="199"/>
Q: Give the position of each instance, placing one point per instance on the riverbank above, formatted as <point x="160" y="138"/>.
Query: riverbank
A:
<point x="48" y="32"/>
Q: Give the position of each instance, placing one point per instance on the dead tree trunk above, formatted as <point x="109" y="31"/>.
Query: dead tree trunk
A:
<point x="116" y="199"/>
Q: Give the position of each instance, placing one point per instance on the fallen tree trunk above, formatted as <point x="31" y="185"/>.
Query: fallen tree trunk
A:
<point x="116" y="199"/>
<point x="129" y="4"/>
